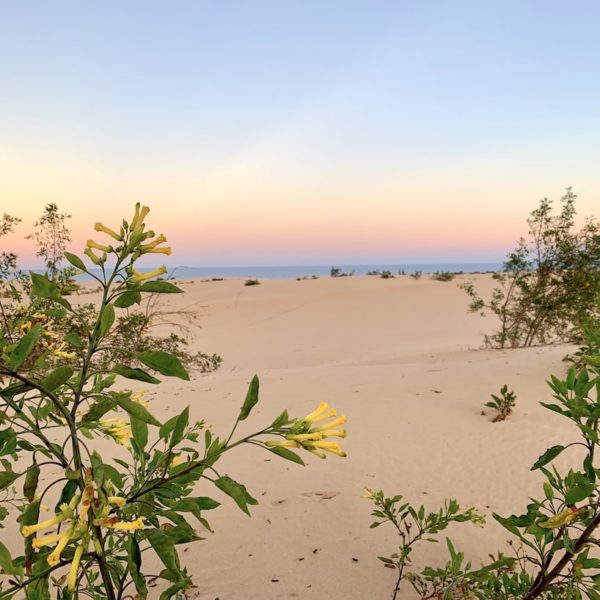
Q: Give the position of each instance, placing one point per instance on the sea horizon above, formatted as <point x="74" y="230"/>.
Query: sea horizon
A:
<point x="295" y="271"/>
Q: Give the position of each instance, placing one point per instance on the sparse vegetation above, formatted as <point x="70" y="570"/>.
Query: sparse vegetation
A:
<point x="249" y="282"/>
<point x="553" y="551"/>
<point x="503" y="404"/>
<point x="549" y="284"/>
<point x="417" y="274"/>
<point x="443" y="276"/>
<point x="337" y="272"/>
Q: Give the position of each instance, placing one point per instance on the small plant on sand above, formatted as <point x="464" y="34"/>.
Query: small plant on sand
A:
<point x="417" y="274"/>
<point x="549" y="284"/>
<point x="443" y="276"/>
<point x="555" y="540"/>
<point x="502" y="404"/>
<point x="413" y="526"/>
<point x="111" y="508"/>
<point x="251" y="282"/>
<point x="386" y="275"/>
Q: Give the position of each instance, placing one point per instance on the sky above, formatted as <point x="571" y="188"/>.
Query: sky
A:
<point x="281" y="133"/>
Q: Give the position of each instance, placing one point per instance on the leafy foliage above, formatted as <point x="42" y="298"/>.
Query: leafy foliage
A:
<point x="554" y="541"/>
<point x="549" y="284"/>
<point x="503" y="404"/>
<point x="58" y="399"/>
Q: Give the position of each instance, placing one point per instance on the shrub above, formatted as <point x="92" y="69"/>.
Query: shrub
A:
<point x="110" y="514"/>
<point x="386" y="275"/>
<point x="549" y="284"/>
<point x="337" y="272"/>
<point x="417" y="274"/>
<point x="503" y="404"/>
<point x="252" y="282"/>
<point x="443" y="276"/>
<point x="554" y="545"/>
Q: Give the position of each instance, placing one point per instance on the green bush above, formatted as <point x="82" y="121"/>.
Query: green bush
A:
<point x="549" y="284"/>
<point x="58" y="398"/>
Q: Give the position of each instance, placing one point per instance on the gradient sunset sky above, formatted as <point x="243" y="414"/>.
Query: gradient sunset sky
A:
<point x="288" y="132"/>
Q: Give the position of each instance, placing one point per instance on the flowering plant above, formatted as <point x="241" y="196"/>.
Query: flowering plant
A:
<point x="58" y="401"/>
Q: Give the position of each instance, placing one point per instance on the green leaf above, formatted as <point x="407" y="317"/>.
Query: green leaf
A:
<point x="579" y="492"/>
<point x="251" y="399"/>
<point x="549" y="455"/>
<point x="166" y="429"/>
<point x="7" y="478"/>
<point x="164" y="363"/>
<point x="73" y="339"/>
<point x="75" y="261"/>
<point x="24" y="347"/>
<point x="134" y="562"/>
<point x="165" y="549"/>
<point x="56" y="378"/>
<point x="180" y="425"/>
<point x="137" y="410"/>
<point x="236" y="491"/>
<point x="127" y="299"/>
<point x="66" y="494"/>
<point x="287" y="454"/>
<point x="161" y="287"/>
<point x="139" y="431"/>
<point x="42" y="287"/>
<point x="6" y="561"/>
<point x="281" y="420"/>
<point x="193" y="505"/>
<point x="134" y="373"/>
<point x="106" y="319"/>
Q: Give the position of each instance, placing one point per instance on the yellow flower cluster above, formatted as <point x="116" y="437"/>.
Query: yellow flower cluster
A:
<point x="131" y="239"/>
<point x="311" y="433"/>
<point x="50" y="339"/>
<point x="118" y="429"/>
<point x="76" y="518"/>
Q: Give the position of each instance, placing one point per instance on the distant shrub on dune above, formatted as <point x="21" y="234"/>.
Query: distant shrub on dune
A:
<point x="443" y="276"/>
<point x="251" y="282"/>
<point x="386" y="275"/>
<point x="417" y="274"/>
<point x="549" y="284"/>
<point x="337" y="272"/>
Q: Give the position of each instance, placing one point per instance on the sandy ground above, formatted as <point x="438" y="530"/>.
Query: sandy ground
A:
<point x="403" y="360"/>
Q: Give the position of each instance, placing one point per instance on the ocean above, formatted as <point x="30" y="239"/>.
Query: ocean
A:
<point x="293" y="272"/>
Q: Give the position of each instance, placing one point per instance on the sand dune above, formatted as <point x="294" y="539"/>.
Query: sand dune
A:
<point x="403" y="360"/>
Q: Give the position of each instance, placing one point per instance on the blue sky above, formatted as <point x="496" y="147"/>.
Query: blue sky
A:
<point x="354" y="131"/>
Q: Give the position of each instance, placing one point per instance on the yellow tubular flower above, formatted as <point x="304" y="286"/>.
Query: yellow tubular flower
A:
<point x="286" y="444"/>
<point x="159" y="240"/>
<point x="112" y="523"/>
<point x="27" y="530"/>
<point x="108" y="231"/>
<point x="333" y="447"/>
<point x="54" y="557"/>
<point x="140" y="215"/>
<point x="117" y="501"/>
<point x="316" y="452"/>
<point x="333" y="433"/>
<point x="139" y="277"/>
<point x="95" y="259"/>
<point x="176" y="460"/>
<point x="333" y="424"/>
<point x="562" y="518"/>
<point x="317" y="412"/>
<point x="166" y="250"/>
<point x="74" y="568"/>
<point x="315" y="435"/>
<point x="97" y="246"/>
<point x="47" y="540"/>
<point x="368" y="493"/>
